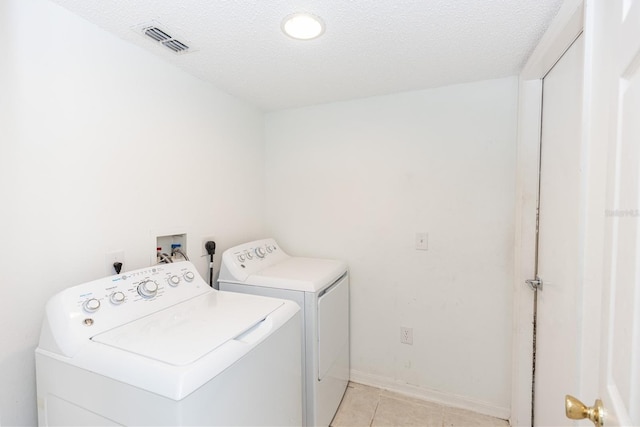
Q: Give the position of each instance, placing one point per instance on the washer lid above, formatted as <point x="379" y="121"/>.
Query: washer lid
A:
<point x="299" y="274"/>
<point x="183" y="333"/>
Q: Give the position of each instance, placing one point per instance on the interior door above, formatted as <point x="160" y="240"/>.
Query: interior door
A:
<point x="618" y="30"/>
<point x="558" y="324"/>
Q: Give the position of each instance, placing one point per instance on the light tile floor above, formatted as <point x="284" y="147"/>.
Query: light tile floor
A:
<point x="369" y="406"/>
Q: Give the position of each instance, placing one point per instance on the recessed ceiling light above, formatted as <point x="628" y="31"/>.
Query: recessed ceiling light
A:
<point x="302" y="26"/>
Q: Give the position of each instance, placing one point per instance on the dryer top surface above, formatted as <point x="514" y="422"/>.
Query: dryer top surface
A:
<point x="300" y="274"/>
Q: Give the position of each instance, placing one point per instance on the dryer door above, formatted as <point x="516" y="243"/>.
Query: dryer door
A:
<point x="333" y="325"/>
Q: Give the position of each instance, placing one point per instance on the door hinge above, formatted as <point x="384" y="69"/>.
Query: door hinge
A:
<point x="534" y="283"/>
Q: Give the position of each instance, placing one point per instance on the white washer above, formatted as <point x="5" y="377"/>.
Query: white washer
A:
<point x="158" y="346"/>
<point x="321" y="289"/>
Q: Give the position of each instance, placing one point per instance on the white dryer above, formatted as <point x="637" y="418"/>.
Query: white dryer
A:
<point x="321" y="289"/>
<point x="158" y="346"/>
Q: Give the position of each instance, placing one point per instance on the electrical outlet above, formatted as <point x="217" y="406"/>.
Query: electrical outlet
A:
<point x="406" y="335"/>
<point x="110" y="258"/>
<point x="422" y="241"/>
<point x="204" y="243"/>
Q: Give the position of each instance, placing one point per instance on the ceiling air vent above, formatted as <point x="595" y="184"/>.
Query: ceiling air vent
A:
<point x="164" y="38"/>
<point x="157" y="34"/>
<point x="176" y="46"/>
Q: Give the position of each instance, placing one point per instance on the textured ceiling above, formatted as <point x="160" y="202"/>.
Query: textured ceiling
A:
<point x="370" y="47"/>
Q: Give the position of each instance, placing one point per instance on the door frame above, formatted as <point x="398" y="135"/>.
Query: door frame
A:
<point x="574" y="17"/>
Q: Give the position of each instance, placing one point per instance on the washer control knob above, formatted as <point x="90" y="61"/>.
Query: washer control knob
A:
<point x="148" y="289"/>
<point x="270" y="248"/>
<point x="241" y="258"/>
<point x="91" y="305"/>
<point x="249" y="255"/>
<point x="260" y="252"/>
<point x="117" y="298"/>
<point x="189" y="276"/>
<point x="174" y="280"/>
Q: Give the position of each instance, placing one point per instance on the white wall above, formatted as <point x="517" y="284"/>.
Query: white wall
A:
<point x="356" y="180"/>
<point x="102" y="143"/>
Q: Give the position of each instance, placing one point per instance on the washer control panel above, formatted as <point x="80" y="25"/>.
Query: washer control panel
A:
<point x="94" y="307"/>
<point x="136" y="286"/>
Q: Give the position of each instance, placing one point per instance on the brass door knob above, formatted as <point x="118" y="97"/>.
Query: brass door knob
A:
<point x="577" y="410"/>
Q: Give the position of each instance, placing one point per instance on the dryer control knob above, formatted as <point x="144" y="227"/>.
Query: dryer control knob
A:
<point x="241" y="258"/>
<point x="174" y="280"/>
<point x="189" y="276"/>
<point x="249" y="255"/>
<point x="148" y="289"/>
<point x="260" y="252"/>
<point x="91" y="305"/>
<point x="269" y="248"/>
<point x="116" y="298"/>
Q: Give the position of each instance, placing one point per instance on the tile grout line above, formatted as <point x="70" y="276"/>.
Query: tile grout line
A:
<point x="375" y="411"/>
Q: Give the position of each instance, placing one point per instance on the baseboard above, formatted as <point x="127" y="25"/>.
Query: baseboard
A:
<point x="430" y="395"/>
